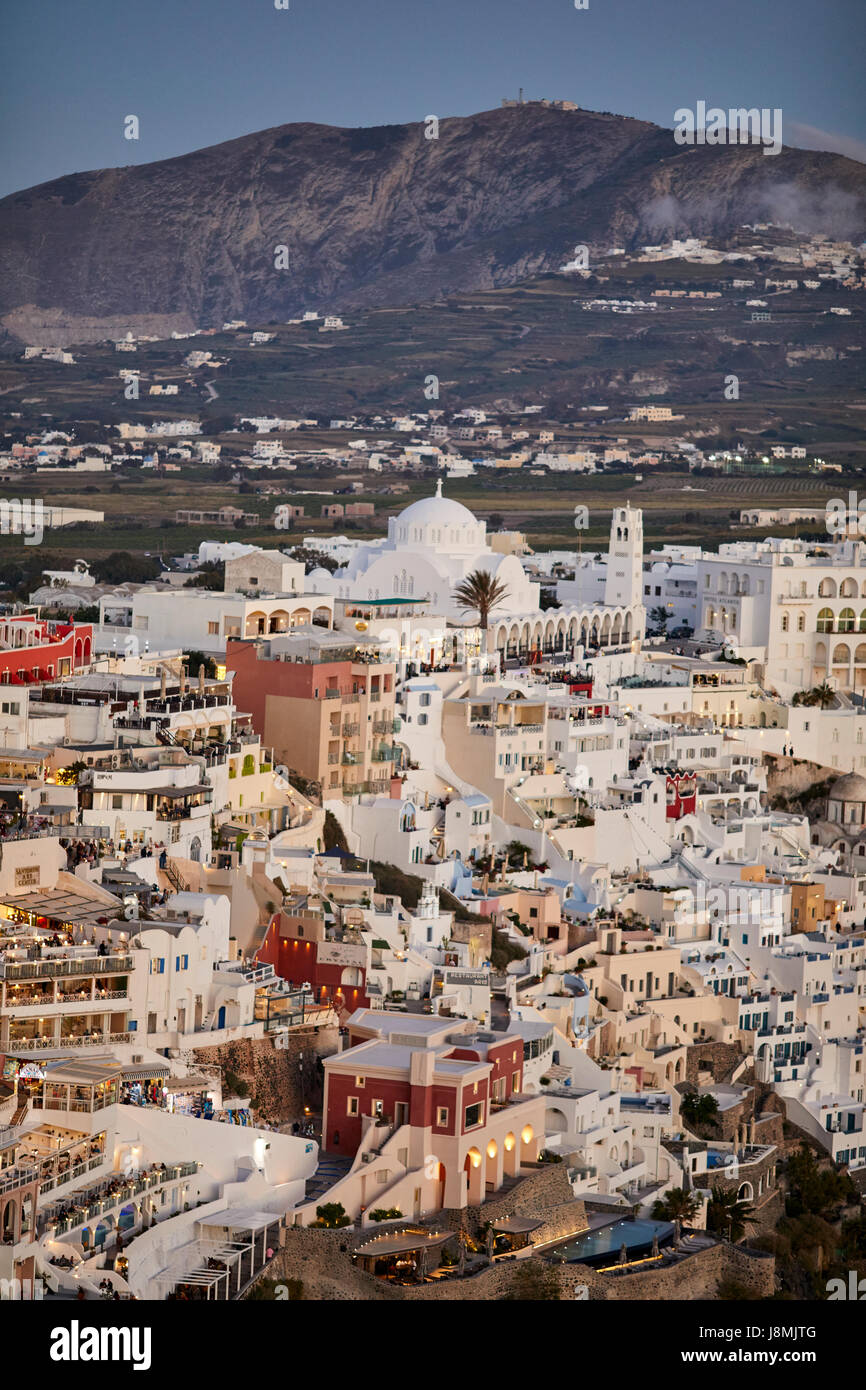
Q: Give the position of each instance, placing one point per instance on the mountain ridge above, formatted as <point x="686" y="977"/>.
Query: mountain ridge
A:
<point x="379" y="216"/>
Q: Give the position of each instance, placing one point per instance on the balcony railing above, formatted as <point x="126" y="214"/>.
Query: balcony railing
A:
<point x="43" y="1001"/>
<point x="78" y="965"/>
<point x="68" y="1040"/>
<point x="181" y="812"/>
<point x="374" y="786"/>
<point x="384" y="755"/>
<point x="89" y="1206"/>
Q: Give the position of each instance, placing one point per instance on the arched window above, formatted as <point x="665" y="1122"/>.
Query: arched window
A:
<point x="784" y="622"/>
<point x="846" y="620"/>
<point x="825" y="620"/>
<point x="827" y="588"/>
<point x="801" y="622"/>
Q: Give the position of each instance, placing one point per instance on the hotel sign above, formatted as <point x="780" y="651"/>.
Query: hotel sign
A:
<point x="340" y="953"/>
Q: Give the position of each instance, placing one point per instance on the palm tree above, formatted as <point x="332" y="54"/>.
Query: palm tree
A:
<point x="728" y="1215"/>
<point x="482" y="591"/>
<point x="676" y="1205"/>
<point x="659" y="619"/>
<point x="824" y="694"/>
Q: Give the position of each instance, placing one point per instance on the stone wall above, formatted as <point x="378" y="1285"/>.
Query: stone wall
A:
<point x="474" y="930"/>
<point x="322" y="1261"/>
<point x="791" y="776"/>
<point x="545" y="1193"/>
<point x="769" y="1128"/>
<point x="722" y="1058"/>
<point x="281" y="1081"/>
<point x="751" y="1172"/>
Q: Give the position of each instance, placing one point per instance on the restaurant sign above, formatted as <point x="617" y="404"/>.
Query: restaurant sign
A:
<point x="31" y="1071"/>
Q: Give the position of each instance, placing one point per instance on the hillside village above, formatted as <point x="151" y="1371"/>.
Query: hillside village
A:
<point x="483" y="904"/>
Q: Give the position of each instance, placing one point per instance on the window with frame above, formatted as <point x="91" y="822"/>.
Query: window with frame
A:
<point x="441" y="1116"/>
<point x="352" y="1105"/>
<point x="474" y="1115"/>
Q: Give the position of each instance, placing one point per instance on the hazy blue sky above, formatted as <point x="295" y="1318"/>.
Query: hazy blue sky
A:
<point x="196" y="72"/>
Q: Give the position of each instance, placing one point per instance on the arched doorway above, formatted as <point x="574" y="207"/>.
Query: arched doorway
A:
<point x="474" y="1176"/>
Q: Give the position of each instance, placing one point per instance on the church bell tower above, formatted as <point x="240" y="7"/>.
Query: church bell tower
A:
<point x="623" y="585"/>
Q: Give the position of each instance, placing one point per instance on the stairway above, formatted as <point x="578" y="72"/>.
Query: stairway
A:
<point x="20" y="1113"/>
<point x="176" y="879"/>
<point x="329" y="1172"/>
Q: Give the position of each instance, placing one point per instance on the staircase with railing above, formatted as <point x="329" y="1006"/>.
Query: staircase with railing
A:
<point x="176" y="879"/>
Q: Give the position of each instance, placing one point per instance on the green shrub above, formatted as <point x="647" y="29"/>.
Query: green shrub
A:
<point x="385" y="1214"/>
<point x="332" y="1215"/>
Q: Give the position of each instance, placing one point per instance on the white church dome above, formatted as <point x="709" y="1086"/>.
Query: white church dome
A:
<point x="436" y="511"/>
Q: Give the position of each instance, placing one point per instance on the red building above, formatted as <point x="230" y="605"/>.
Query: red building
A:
<point x="435" y="1104"/>
<point x="681" y="791"/>
<point x="33" y="649"/>
<point x="303" y="950"/>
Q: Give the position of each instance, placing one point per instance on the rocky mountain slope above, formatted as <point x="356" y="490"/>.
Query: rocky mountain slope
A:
<point x="380" y="216"/>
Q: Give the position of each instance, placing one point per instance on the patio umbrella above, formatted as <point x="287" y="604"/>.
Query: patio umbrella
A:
<point x="655" y="1243"/>
<point x="491" y="1241"/>
<point x="623" y="1254"/>
<point x="461" y="1262"/>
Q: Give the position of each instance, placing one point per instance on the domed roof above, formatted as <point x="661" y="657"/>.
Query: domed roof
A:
<point x="437" y="511"/>
<point x="851" y="787"/>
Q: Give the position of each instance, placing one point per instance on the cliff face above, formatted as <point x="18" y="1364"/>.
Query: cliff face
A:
<point x="381" y="216"/>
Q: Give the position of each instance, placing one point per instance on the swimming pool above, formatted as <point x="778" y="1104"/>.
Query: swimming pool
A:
<point x="603" y="1246"/>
